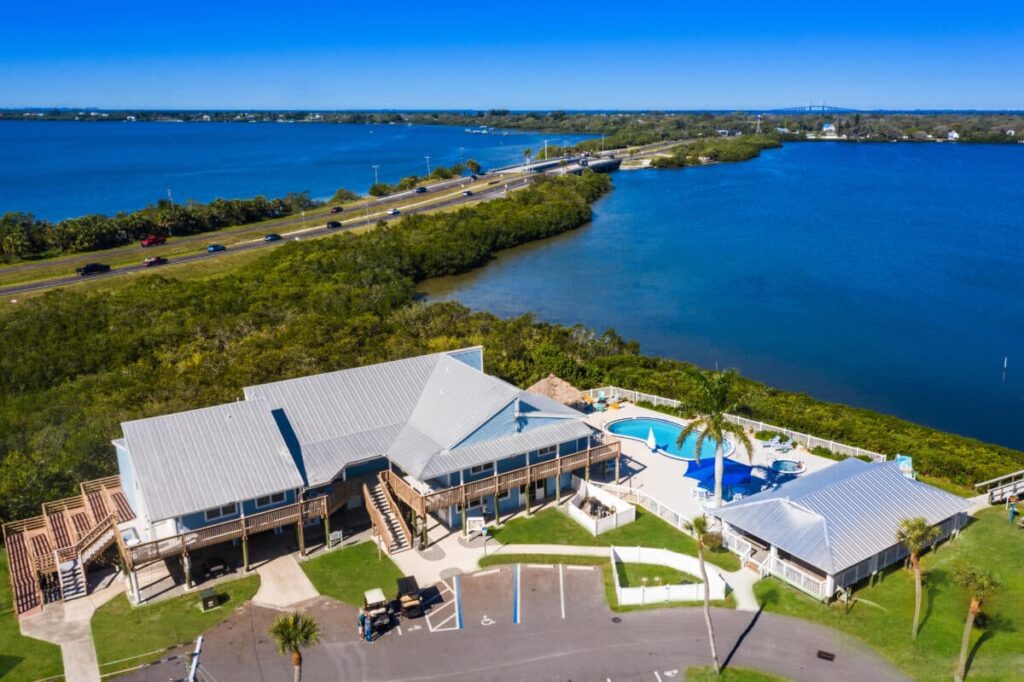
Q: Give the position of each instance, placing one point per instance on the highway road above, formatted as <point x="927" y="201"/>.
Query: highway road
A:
<point x="482" y="194"/>
<point x="296" y="221"/>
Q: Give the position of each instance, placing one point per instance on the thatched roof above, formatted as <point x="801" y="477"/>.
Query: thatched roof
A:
<point x="557" y="389"/>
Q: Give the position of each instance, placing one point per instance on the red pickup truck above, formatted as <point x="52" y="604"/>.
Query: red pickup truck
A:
<point x="153" y="240"/>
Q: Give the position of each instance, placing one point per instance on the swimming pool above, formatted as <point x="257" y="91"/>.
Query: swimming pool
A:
<point x="665" y="435"/>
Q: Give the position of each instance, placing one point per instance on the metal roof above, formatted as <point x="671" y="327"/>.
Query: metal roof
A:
<point x="191" y="461"/>
<point x="305" y="431"/>
<point x="841" y="515"/>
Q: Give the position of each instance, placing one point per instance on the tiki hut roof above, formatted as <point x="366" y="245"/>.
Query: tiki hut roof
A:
<point x="558" y="390"/>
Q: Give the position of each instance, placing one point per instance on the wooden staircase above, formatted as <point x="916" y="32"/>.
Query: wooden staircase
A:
<point x="386" y="518"/>
<point x="62" y="542"/>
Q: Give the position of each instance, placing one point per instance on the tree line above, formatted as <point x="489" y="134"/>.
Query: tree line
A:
<point x="721" y="149"/>
<point x="383" y="189"/>
<point x="76" y="364"/>
<point x="22" y="235"/>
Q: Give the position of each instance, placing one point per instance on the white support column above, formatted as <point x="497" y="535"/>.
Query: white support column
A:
<point x="133" y="579"/>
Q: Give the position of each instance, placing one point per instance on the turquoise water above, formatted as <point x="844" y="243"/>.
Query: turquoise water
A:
<point x="887" y="276"/>
<point x="665" y="435"/>
<point x="61" y="169"/>
<point x="786" y="466"/>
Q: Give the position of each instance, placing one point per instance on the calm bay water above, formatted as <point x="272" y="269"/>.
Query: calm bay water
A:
<point x="884" y="276"/>
<point x="62" y="169"/>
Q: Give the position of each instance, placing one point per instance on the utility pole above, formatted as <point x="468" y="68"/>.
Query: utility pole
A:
<point x="759" y="124"/>
<point x="169" y="197"/>
<point x="461" y="158"/>
<point x="427" y="157"/>
<point x="545" y="149"/>
<point x="375" y="167"/>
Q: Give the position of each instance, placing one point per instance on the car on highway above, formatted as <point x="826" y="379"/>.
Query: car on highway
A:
<point x="473" y="176"/>
<point x="393" y="211"/>
<point x="421" y="190"/>
<point x="92" y="269"/>
<point x="336" y="209"/>
<point x="153" y="261"/>
<point x="153" y="240"/>
<point x="333" y="224"/>
<point x="467" y="192"/>
<point x="214" y="248"/>
<point x="272" y="237"/>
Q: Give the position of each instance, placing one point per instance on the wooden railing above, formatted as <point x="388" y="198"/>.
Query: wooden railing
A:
<point x="377" y="520"/>
<point x="1002" y="487"/>
<point x="95" y="533"/>
<point x="495" y="485"/>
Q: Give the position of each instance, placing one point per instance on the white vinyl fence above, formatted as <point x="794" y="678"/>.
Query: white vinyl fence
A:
<point x="659" y="594"/>
<point x="807" y="440"/>
<point x="637" y="496"/>
<point x="623" y="511"/>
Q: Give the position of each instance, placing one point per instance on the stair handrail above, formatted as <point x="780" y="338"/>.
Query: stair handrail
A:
<point x="396" y="510"/>
<point x="375" y="518"/>
<point x="92" y="535"/>
<point x="405" y="492"/>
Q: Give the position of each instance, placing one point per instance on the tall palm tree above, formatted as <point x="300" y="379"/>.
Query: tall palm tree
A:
<point x="916" y="535"/>
<point x="717" y="394"/>
<point x="980" y="583"/>
<point x="293" y="632"/>
<point x="698" y="527"/>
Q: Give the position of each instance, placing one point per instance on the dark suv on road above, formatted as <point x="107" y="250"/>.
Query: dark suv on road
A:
<point x="92" y="269"/>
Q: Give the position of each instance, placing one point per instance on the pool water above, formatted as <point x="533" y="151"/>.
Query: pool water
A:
<point x="665" y="435"/>
<point x="787" y="466"/>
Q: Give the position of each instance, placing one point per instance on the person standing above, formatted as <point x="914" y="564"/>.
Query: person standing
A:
<point x="1012" y="504"/>
<point x="361" y="623"/>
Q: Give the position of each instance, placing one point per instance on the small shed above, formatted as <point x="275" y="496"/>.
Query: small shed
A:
<point x="558" y="390"/>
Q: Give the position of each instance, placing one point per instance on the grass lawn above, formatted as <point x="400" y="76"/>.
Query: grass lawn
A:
<point x="22" y="658"/>
<point x="707" y="674"/>
<point x="346" y="573"/>
<point x="607" y="578"/>
<point x="554" y="527"/>
<point x="882" y="617"/>
<point x="635" y="575"/>
<point x="121" y="630"/>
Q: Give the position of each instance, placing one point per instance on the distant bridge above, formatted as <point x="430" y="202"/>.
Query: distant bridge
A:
<point x="813" y="109"/>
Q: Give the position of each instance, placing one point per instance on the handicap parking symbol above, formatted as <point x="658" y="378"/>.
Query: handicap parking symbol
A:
<point x="486" y="620"/>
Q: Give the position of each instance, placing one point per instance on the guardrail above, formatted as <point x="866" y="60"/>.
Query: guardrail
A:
<point x="804" y="439"/>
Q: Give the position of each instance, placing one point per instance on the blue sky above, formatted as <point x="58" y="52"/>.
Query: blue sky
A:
<point x="519" y="55"/>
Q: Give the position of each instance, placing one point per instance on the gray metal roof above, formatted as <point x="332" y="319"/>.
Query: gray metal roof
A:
<point x="191" y="461"/>
<point x="560" y="431"/>
<point x="841" y="515"/>
<point x="305" y="431"/>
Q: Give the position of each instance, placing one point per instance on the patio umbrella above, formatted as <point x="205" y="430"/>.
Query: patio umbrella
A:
<point x="651" y="443"/>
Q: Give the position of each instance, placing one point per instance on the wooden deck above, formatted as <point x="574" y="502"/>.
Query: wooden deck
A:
<point x="63" y="529"/>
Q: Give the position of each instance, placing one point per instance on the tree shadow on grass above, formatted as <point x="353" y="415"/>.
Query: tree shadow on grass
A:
<point x="991" y="625"/>
<point x="935" y="581"/>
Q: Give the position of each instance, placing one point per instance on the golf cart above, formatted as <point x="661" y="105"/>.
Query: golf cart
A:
<point x="377" y="607"/>
<point x="409" y="597"/>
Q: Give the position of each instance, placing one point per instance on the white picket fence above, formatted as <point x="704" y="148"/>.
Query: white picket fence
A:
<point x="660" y="594"/>
<point x="623" y="511"/>
<point x="807" y="440"/>
<point x="636" y="496"/>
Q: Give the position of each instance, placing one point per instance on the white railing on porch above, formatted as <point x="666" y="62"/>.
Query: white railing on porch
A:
<point x="807" y="440"/>
<point x="796" y="576"/>
<point x="737" y="545"/>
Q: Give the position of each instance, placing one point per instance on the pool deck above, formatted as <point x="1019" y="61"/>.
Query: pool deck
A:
<point x="661" y="476"/>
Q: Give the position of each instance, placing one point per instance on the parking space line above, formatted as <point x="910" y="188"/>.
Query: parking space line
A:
<point x="561" y="588"/>
<point x="516" y="608"/>
<point x="458" y="602"/>
<point x="541" y="565"/>
<point x="581" y="568"/>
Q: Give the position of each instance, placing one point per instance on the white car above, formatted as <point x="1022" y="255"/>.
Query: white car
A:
<point x="393" y="211"/>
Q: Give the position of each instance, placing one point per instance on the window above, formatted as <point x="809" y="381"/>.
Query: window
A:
<point x="504" y="496"/>
<point x="474" y="504"/>
<point x="482" y="468"/>
<point x="549" y="450"/>
<point x="221" y="512"/>
<point x="269" y="500"/>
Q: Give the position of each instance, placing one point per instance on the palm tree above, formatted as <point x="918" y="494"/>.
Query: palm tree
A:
<point x="698" y="527"/>
<point x="294" y="632"/>
<point x="980" y="583"/>
<point x="916" y="535"/>
<point x="718" y="393"/>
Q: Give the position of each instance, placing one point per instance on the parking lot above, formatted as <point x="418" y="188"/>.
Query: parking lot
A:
<point x="524" y="622"/>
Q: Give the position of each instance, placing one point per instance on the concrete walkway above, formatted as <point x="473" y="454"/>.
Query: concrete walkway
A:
<point x="283" y="584"/>
<point x="67" y="624"/>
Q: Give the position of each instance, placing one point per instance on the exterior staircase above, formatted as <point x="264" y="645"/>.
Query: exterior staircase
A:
<point x="72" y="579"/>
<point x="387" y="519"/>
